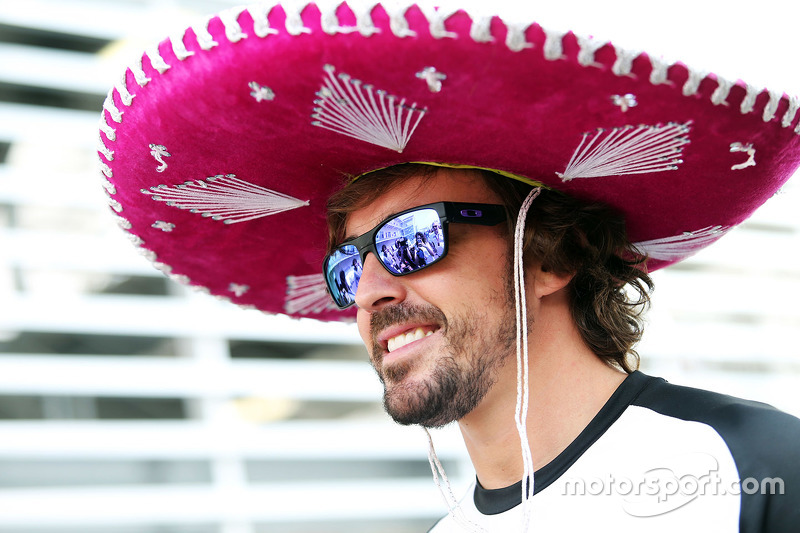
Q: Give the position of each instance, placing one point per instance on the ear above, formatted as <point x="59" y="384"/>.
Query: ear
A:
<point x="546" y="283"/>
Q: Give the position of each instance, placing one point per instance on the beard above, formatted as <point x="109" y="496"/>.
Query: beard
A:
<point x="463" y="373"/>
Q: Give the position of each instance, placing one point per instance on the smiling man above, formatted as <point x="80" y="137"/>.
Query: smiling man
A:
<point x="552" y="172"/>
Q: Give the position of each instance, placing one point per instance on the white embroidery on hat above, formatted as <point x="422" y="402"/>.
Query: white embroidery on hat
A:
<point x="159" y="151"/>
<point x="749" y="100"/>
<point x="111" y="107"/>
<point x="180" y="278"/>
<point x="225" y="198"/>
<point x="179" y="48"/>
<point x="109" y="187"/>
<point x="772" y="105"/>
<point x="481" y="29"/>
<point x="229" y="18"/>
<point x="628" y="150"/>
<point x="681" y="246"/>
<point x="124" y="223"/>
<point x="261" y="92"/>
<point x="307" y="294"/>
<point x="163" y="226"/>
<point x="115" y="205"/>
<point x="720" y="94"/>
<point x="749" y="150"/>
<point x="138" y="72"/>
<point x="436" y="16"/>
<point x="623" y="64"/>
<point x="122" y="89"/>
<point x="692" y="84"/>
<point x="658" y="76"/>
<point x="162" y="267"/>
<point x="349" y="107"/>
<point x="397" y="19"/>
<point x="553" y="46"/>
<point x="624" y="101"/>
<point x="259" y="13"/>
<point x="204" y="38"/>
<point x="294" y="18"/>
<point x="150" y="255"/>
<point x="238" y="289"/>
<point x="135" y="239"/>
<point x="103" y="149"/>
<point x="432" y="77"/>
<point x="515" y="36"/>
<point x="791" y="112"/>
<point x="156" y="61"/>
<point x="105" y="169"/>
<point x="588" y="47"/>
<point x="364" y="23"/>
<point x="329" y="21"/>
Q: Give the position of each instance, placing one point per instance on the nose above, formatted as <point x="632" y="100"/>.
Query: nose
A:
<point x="377" y="288"/>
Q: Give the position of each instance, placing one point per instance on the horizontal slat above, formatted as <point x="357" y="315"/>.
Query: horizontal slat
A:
<point x="55" y="69"/>
<point x="120" y="19"/>
<point x="374" y="438"/>
<point x="197" y="315"/>
<point x="40" y="186"/>
<point x="183" y="377"/>
<point x="65" y="127"/>
<point x="319" y="501"/>
<point x="703" y="341"/>
<point x="715" y="296"/>
<point x="109" y="254"/>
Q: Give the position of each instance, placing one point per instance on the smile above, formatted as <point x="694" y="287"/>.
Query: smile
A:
<point x="408" y="337"/>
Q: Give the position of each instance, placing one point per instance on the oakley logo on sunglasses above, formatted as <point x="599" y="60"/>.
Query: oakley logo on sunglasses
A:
<point x="403" y="243"/>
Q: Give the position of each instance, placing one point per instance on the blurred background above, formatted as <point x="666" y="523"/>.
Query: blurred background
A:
<point x="131" y="405"/>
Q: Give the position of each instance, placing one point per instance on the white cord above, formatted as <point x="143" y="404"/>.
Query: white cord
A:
<point x="453" y="507"/>
<point x="521" y="412"/>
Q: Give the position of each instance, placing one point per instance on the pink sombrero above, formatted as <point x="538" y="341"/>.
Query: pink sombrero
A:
<point x="219" y="149"/>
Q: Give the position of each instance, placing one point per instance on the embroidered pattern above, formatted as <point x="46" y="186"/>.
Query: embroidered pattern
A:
<point x="351" y="108"/>
<point x="624" y="101"/>
<point x="307" y="294"/>
<point x="628" y="150"/>
<point x="159" y="151"/>
<point x="749" y="150"/>
<point x="238" y="289"/>
<point x="260" y="92"/>
<point x="432" y="77"/>
<point x="163" y="226"/>
<point x="681" y="246"/>
<point x="225" y="198"/>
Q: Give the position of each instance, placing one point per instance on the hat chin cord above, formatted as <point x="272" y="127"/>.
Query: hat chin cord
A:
<point x="523" y="392"/>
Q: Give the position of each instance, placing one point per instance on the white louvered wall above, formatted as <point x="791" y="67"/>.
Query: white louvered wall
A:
<point x="129" y="405"/>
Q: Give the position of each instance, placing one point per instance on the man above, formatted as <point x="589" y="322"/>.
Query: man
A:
<point x="584" y="393"/>
<point x="542" y="155"/>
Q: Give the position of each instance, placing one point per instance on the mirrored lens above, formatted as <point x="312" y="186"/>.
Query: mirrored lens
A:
<point x="411" y="241"/>
<point x="343" y="271"/>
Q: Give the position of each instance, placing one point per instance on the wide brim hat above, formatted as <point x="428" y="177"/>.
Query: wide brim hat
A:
<point x="221" y="146"/>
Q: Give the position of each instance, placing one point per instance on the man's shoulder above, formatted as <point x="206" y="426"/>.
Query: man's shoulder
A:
<point x="733" y="418"/>
<point x="762" y="441"/>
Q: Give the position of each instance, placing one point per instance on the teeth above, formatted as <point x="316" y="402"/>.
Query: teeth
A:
<point x="405" y="338"/>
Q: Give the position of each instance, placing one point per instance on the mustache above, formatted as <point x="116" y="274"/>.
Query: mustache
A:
<point x="403" y="312"/>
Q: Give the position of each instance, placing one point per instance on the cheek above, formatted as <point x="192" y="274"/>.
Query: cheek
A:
<point x="362" y="321"/>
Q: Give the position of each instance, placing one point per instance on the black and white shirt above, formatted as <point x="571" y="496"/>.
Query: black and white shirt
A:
<point x="660" y="458"/>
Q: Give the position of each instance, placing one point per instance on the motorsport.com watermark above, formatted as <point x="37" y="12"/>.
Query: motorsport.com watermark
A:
<point x="661" y="490"/>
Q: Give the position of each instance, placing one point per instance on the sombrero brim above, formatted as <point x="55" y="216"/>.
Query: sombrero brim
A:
<point x="220" y="149"/>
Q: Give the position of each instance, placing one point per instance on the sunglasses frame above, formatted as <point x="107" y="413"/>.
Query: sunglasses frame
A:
<point x="448" y="212"/>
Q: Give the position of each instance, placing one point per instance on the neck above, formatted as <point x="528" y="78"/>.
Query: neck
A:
<point x="568" y="385"/>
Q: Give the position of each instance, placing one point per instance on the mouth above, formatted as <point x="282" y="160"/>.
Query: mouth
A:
<point x="398" y="341"/>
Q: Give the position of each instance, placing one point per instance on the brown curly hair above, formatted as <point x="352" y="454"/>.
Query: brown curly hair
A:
<point x="609" y="289"/>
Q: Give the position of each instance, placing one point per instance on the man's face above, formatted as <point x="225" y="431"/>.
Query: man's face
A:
<point x="437" y="338"/>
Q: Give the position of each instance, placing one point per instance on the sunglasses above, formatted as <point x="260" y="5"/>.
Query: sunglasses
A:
<point x="403" y="243"/>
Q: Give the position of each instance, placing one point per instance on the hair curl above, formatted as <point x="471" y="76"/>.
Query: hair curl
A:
<point x="609" y="290"/>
